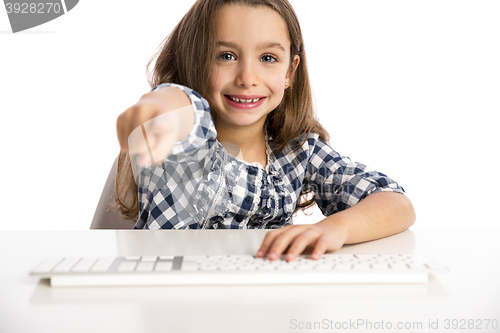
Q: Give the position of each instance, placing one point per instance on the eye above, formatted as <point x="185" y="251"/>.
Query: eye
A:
<point x="226" y="56"/>
<point x="269" y="58"/>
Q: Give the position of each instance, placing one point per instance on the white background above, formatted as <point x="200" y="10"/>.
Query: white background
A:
<point x="411" y="88"/>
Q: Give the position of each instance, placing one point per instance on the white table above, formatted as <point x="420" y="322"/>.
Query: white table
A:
<point x="471" y="291"/>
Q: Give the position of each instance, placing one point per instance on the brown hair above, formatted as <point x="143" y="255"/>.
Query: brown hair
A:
<point x="178" y="61"/>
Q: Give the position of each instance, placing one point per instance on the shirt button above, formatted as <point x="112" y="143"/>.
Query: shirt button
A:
<point x="248" y="199"/>
<point x="238" y="218"/>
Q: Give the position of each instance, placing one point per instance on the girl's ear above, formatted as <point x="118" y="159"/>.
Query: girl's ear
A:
<point x="291" y="72"/>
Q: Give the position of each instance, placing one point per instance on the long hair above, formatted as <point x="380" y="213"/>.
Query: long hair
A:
<point x="178" y="61"/>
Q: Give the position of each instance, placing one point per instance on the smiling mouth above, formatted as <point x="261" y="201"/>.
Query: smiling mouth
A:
<point x="244" y="101"/>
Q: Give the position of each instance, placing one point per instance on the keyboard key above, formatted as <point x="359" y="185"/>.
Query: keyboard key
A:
<point x="366" y="257"/>
<point x="399" y="266"/>
<point x="345" y="257"/>
<point x="149" y="258"/>
<point x="247" y="267"/>
<point x="47" y="265"/>
<point x="163" y="266"/>
<point x="103" y="264"/>
<point x="304" y="267"/>
<point x="189" y="268"/>
<point x="127" y="266"/>
<point x="145" y="266"/>
<point x="417" y="259"/>
<point x="323" y="267"/>
<point x="208" y="267"/>
<point x="266" y="268"/>
<point x="242" y="258"/>
<point x="191" y="263"/>
<point x="417" y="266"/>
<point x="65" y="265"/>
<point x="84" y="265"/>
<point x="433" y="265"/>
<point x="195" y="258"/>
<point x="390" y="257"/>
<point x="380" y="266"/>
<point x="219" y="257"/>
<point x="228" y="268"/>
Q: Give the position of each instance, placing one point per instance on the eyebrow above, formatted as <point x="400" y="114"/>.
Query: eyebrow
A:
<point x="265" y="45"/>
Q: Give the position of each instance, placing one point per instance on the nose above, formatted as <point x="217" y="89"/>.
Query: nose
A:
<point x="248" y="75"/>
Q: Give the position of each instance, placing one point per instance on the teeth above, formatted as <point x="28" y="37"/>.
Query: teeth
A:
<point x="238" y="100"/>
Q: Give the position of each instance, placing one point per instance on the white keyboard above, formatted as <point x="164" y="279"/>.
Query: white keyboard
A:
<point x="236" y="270"/>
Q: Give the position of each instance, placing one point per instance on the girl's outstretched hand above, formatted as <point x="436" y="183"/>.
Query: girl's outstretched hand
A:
<point x="150" y="128"/>
<point x="323" y="236"/>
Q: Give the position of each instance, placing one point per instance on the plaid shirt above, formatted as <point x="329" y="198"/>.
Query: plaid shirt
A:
<point x="200" y="185"/>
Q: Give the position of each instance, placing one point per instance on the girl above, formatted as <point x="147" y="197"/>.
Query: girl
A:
<point x="228" y="139"/>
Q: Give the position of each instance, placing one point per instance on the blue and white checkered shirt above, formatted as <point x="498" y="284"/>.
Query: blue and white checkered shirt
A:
<point x="200" y="185"/>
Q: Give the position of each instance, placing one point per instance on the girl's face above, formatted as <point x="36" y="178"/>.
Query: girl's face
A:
<point x="252" y="65"/>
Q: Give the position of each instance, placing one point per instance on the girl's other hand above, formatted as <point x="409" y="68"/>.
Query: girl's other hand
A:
<point x="323" y="236"/>
<point x="150" y="128"/>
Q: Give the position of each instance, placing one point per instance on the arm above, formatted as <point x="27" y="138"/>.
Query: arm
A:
<point x="379" y="215"/>
<point x="173" y="100"/>
<point x="164" y="116"/>
<point x="191" y="146"/>
<point x="360" y="203"/>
